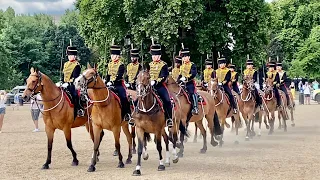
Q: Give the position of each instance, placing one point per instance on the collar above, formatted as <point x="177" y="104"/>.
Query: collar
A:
<point x="187" y="62"/>
<point x="135" y="62"/>
<point x="209" y="68"/>
<point x="73" y="60"/>
<point x="116" y="61"/>
<point x="157" y="61"/>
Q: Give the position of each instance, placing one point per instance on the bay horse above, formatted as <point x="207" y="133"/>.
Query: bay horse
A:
<point x="106" y="113"/>
<point x="223" y="108"/>
<point x="58" y="112"/>
<point x="149" y="118"/>
<point x="206" y="109"/>
<point x="290" y="107"/>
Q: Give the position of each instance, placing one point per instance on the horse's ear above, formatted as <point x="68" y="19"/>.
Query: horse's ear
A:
<point x="88" y="66"/>
<point x="31" y="70"/>
<point x="96" y="67"/>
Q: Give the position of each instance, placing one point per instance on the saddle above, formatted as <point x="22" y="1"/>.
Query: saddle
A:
<point x="114" y="92"/>
<point x="70" y="99"/>
<point x="201" y="100"/>
<point x="226" y="96"/>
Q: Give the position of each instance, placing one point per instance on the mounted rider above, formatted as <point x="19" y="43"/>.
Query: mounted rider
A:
<point x="188" y="72"/>
<point x="208" y="72"/>
<point x="72" y="70"/>
<point x="158" y="75"/>
<point x="176" y="70"/>
<point x="250" y="71"/>
<point x="133" y="68"/>
<point x="114" y="79"/>
<point x="273" y="74"/>
<point x="234" y="78"/>
<point x="283" y="80"/>
<point x="223" y="74"/>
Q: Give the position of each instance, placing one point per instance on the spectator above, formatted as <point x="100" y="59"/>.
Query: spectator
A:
<point x="315" y="85"/>
<point x="301" y="96"/>
<point x="307" y="92"/>
<point x="293" y="90"/>
<point x="36" y="107"/>
<point x="3" y="100"/>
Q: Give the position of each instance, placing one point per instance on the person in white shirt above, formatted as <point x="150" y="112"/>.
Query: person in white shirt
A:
<point x="306" y="92"/>
<point x="36" y="107"/>
<point x="3" y="99"/>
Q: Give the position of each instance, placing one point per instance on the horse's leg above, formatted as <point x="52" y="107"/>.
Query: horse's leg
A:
<point x="195" y="134"/>
<point x="133" y="134"/>
<point x="233" y="124"/>
<point x="266" y="119"/>
<point x="116" y="134"/>
<point x="210" y="118"/>
<point x="67" y="134"/>
<point x="204" y="135"/>
<point x="292" y="118"/>
<point x="90" y="130"/>
<point x="247" y="120"/>
<point x="50" y="134"/>
<point x="126" y="131"/>
<point x="166" y="141"/>
<point x="271" y="122"/>
<point x="161" y="166"/>
<point x="174" y="150"/>
<point x="284" y="121"/>
<point x="237" y="125"/>
<point x="97" y="133"/>
<point x="253" y="133"/>
<point x="181" y="151"/>
<point x="140" y="135"/>
<point x="260" y="122"/>
<point x="279" y="118"/>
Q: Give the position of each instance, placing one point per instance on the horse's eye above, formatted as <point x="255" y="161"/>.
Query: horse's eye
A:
<point x="33" y="82"/>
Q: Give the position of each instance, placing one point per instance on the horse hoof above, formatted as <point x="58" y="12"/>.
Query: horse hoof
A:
<point x="180" y="155"/>
<point x="136" y="173"/>
<point x="146" y="157"/>
<point x="185" y="140"/>
<point x="120" y="165"/>
<point x="134" y="151"/>
<point x="175" y="160"/>
<point x="75" y="163"/>
<point x="128" y="161"/>
<point x="167" y="164"/>
<point x="236" y="142"/>
<point x="214" y="143"/>
<point x="195" y="141"/>
<point x="293" y="125"/>
<point x="267" y="127"/>
<point x="91" y="168"/>
<point x="45" y="166"/>
<point x="178" y="145"/>
<point x="161" y="168"/>
<point x="203" y="151"/>
<point x="115" y="153"/>
<point x="247" y="138"/>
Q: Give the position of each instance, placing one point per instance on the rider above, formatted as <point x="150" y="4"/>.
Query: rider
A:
<point x="115" y="78"/>
<point x="176" y="70"/>
<point x="188" y="72"/>
<point x="72" y="70"/>
<point x="234" y="78"/>
<point x="273" y="74"/>
<point x="223" y="75"/>
<point x="250" y="71"/>
<point x="133" y="68"/>
<point x="207" y="73"/>
<point x="283" y="80"/>
<point x="158" y="74"/>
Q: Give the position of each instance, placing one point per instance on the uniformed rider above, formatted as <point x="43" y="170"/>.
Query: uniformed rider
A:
<point x="72" y="70"/>
<point x="176" y="70"/>
<point x="133" y="68"/>
<point x="158" y="75"/>
<point x="283" y="80"/>
<point x="115" y="79"/>
<point x="207" y="73"/>
<point x="273" y="74"/>
<point x="234" y="78"/>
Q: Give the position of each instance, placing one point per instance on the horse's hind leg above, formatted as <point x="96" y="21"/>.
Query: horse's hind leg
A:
<point x="161" y="166"/>
<point x="195" y="133"/>
<point x="279" y="118"/>
<point x="133" y="134"/>
<point x="50" y="134"/>
<point x="204" y="135"/>
<point x="97" y="133"/>
<point x="292" y="118"/>
<point x="166" y="141"/>
<point x="129" y="139"/>
<point x="67" y="134"/>
<point x="116" y="134"/>
<point x="181" y="151"/>
<point x="140" y="135"/>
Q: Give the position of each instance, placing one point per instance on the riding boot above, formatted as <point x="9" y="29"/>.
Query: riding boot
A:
<point x="233" y="104"/>
<point x="277" y="95"/>
<point x="258" y="98"/>
<point x="77" y="107"/>
<point x="168" y="114"/>
<point x="194" y="98"/>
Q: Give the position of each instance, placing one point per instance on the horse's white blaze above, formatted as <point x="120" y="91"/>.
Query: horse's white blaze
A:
<point x="138" y="167"/>
<point x="167" y="157"/>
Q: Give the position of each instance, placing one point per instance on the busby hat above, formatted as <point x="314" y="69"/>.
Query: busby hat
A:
<point x="208" y="62"/>
<point x="184" y="51"/>
<point x="71" y="50"/>
<point x="155" y="49"/>
<point x="249" y="60"/>
<point x="279" y="63"/>
<point x="134" y="53"/>
<point x="115" y="50"/>
<point x="272" y="64"/>
<point x="232" y="66"/>
<point x="221" y="59"/>
<point x="178" y="60"/>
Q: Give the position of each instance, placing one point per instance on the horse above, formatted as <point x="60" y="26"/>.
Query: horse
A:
<point x="149" y="118"/>
<point x="106" y="113"/>
<point x="223" y="108"/>
<point x="290" y="107"/>
<point x="132" y="95"/>
<point x="58" y="112"/>
<point x="206" y="109"/>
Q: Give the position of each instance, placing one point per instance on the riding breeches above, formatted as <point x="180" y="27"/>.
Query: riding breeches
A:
<point x="258" y="98"/>
<point x="235" y="88"/>
<point x="190" y="86"/>
<point x="122" y="93"/>
<point x="276" y="94"/>
<point x="165" y="97"/>
<point x="228" y="91"/>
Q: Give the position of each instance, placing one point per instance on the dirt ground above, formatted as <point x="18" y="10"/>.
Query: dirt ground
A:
<point x="291" y="155"/>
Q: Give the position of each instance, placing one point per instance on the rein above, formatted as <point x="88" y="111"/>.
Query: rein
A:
<point x="248" y="97"/>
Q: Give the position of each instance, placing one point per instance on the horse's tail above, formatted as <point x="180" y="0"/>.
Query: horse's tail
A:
<point x="147" y="137"/>
<point x="184" y="130"/>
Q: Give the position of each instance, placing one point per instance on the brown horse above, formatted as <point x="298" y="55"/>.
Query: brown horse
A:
<point x="58" y="112"/>
<point x="290" y="107"/>
<point x="106" y="113"/>
<point x="223" y="108"/>
<point x="149" y="118"/>
<point x="206" y="109"/>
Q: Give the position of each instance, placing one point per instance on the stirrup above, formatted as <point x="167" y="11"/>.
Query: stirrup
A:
<point x="169" y="123"/>
<point x="235" y="110"/>
<point x="80" y="112"/>
<point x="195" y="111"/>
<point x="127" y="117"/>
<point x="131" y="122"/>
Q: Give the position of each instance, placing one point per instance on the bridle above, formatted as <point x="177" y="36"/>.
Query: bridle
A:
<point x="248" y="86"/>
<point x="90" y="80"/>
<point x="142" y="92"/>
<point x="37" y="85"/>
<point x="214" y="92"/>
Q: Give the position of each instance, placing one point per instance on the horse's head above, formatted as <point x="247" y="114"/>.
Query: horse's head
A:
<point x="88" y="79"/>
<point x="213" y="86"/>
<point x="269" y="85"/>
<point x="248" y="83"/>
<point x="143" y="84"/>
<point x="34" y="84"/>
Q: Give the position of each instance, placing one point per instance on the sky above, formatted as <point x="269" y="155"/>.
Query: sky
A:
<point x="53" y="7"/>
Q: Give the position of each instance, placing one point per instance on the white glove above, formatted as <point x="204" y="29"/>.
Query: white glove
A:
<point x="65" y="85"/>
<point x="205" y="84"/>
<point x="104" y="80"/>
<point x="220" y="84"/>
<point x="257" y="85"/>
<point x="109" y="83"/>
<point x="183" y="79"/>
<point x="153" y="83"/>
<point x="264" y="85"/>
<point x="127" y="85"/>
